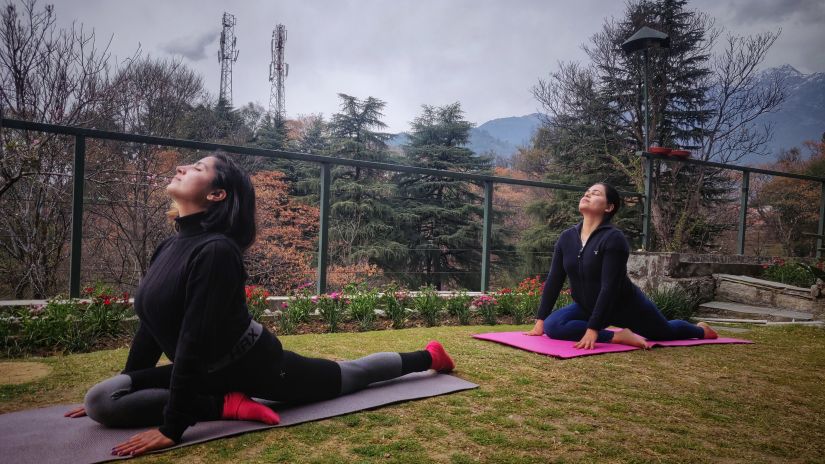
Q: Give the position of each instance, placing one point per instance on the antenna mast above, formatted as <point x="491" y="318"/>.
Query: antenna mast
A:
<point x="226" y="56"/>
<point x="278" y="71"/>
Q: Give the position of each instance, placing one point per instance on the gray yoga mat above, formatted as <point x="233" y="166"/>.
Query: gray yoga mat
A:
<point x="44" y="436"/>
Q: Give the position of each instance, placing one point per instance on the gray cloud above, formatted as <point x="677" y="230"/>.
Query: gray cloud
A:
<point x="771" y="11"/>
<point x="485" y="54"/>
<point x="195" y="48"/>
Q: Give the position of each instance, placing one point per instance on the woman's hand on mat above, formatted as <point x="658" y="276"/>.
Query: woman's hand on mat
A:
<point x="588" y="342"/>
<point x="143" y="442"/>
<point x="77" y="412"/>
<point x="537" y="329"/>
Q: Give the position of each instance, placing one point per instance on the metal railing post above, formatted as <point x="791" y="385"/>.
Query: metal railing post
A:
<point x="820" y="229"/>
<point x="486" y="233"/>
<point x="743" y="212"/>
<point x="77" y="215"/>
<point x="648" y="198"/>
<point x="323" y="230"/>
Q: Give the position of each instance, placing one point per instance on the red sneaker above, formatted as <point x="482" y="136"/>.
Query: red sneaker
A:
<point x="238" y="406"/>
<point x="442" y="362"/>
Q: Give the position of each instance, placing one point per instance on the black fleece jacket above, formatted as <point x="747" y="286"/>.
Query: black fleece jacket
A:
<point x="192" y="307"/>
<point x="597" y="271"/>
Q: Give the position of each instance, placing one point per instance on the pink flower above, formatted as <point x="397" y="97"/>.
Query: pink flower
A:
<point x="484" y="300"/>
<point x="314" y="299"/>
<point x="284" y="305"/>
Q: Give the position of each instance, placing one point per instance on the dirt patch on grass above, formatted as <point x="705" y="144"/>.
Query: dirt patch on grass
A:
<point x="15" y="373"/>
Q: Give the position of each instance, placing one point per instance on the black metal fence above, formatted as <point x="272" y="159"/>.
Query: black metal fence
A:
<point x="486" y="181"/>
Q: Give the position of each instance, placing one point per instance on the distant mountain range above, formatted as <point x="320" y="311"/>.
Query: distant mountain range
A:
<point x="802" y="115"/>
<point x="800" y="118"/>
<point x="497" y="137"/>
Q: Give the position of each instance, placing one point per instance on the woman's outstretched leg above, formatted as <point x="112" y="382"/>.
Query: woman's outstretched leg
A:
<point x="358" y="373"/>
<point x="646" y="320"/>
<point x="304" y="379"/>
<point x="570" y="323"/>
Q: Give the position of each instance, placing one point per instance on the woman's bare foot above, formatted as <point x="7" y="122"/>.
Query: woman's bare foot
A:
<point x="709" y="332"/>
<point x="627" y="337"/>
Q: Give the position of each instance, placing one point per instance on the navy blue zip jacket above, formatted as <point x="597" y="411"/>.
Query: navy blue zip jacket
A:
<point x="597" y="272"/>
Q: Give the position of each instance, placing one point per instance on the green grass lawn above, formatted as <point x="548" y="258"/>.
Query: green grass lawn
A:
<point x="724" y="403"/>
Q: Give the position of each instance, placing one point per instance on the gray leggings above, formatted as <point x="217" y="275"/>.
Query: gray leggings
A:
<point x="113" y="403"/>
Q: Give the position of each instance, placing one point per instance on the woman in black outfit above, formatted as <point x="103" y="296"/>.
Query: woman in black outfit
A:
<point x="192" y="308"/>
<point x="593" y="255"/>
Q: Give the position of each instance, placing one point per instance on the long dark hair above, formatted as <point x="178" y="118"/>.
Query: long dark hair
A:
<point x="613" y="198"/>
<point x="235" y="215"/>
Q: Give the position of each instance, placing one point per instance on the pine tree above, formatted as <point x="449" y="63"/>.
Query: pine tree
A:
<point x="273" y="135"/>
<point x="311" y="136"/>
<point x="595" y="116"/>
<point x="441" y="217"/>
<point x="362" y="218"/>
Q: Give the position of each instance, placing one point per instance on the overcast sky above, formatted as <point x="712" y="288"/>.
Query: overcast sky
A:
<point x="485" y="54"/>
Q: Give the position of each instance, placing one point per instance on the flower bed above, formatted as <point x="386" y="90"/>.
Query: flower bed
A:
<point x="792" y="273"/>
<point x="106" y="317"/>
<point x="360" y="308"/>
<point x="67" y="325"/>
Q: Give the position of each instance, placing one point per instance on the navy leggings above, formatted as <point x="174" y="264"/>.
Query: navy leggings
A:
<point x="642" y="317"/>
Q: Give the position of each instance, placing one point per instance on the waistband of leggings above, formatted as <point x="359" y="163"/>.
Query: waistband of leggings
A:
<point x="242" y="346"/>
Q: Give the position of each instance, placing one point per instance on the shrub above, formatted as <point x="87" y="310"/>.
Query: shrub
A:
<point x="301" y="304"/>
<point x="256" y="301"/>
<point x="508" y="300"/>
<point x="789" y="273"/>
<point x="66" y="324"/>
<point x="486" y="306"/>
<point x="287" y="320"/>
<point x="564" y="299"/>
<point x="525" y="308"/>
<point x="394" y="302"/>
<point x="459" y="306"/>
<point x="428" y="304"/>
<point x="817" y="271"/>
<point x="331" y="308"/>
<point x="674" y="302"/>
<point x="529" y="295"/>
<point x="362" y="306"/>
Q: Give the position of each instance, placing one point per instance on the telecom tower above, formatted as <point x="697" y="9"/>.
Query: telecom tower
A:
<point x="278" y="70"/>
<point x="226" y="56"/>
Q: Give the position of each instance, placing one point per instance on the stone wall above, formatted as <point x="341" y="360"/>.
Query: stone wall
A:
<point x="692" y="272"/>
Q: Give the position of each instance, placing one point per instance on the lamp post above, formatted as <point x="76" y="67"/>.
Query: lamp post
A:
<point x="644" y="39"/>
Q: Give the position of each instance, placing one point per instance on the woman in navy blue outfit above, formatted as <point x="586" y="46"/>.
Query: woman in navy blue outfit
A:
<point x="593" y="255"/>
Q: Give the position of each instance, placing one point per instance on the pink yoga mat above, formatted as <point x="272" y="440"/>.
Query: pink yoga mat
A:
<point x="564" y="349"/>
